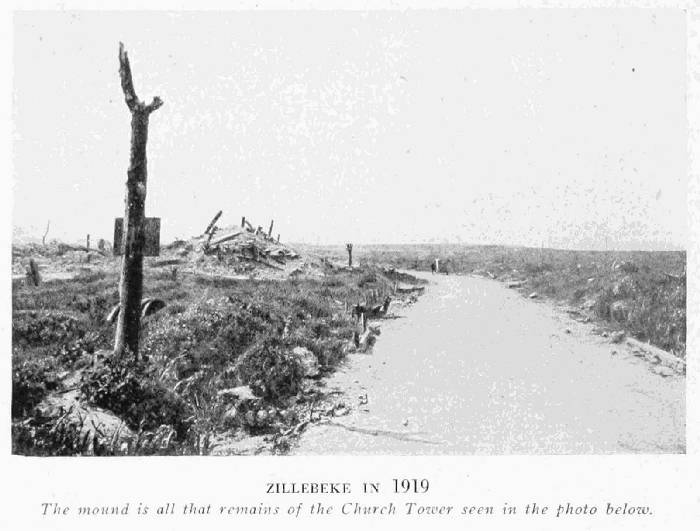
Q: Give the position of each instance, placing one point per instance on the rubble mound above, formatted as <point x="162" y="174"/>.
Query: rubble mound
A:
<point x="235" y="252"/>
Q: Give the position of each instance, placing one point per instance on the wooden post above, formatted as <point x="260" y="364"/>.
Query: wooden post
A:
<point x="243" y="222"/>
<point x="278" y="238"/>
<point x="131" y="281"/>
<point x="87" y="243"/>
<point x="213" y="222"/>
<point x="348" y="246"/>
<point x="269" y="232"/>
<point x="33" y="274"/>
<point x="43" y="238"/>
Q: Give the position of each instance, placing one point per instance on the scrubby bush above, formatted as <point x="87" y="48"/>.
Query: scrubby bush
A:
<point x="367" y="278"/>
<point x="270" y="369"/>
<point x="132" y="391"/>
<point x="71" y="352"/>
<point x="31" y="381"/>
<point x="39" y="328"/>
<point x="209" y="334"/>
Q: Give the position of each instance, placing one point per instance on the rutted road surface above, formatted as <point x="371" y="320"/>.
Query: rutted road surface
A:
<point x="475" y="368"/>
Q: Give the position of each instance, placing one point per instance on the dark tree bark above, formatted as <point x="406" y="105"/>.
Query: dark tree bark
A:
<point x="131" y="281"/>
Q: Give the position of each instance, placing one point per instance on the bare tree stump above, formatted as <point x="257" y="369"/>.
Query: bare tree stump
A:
<point x="131" y="281"/>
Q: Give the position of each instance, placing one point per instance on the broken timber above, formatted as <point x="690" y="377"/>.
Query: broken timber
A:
<point x="211" y="225"/>
<point x="226" y="238"/>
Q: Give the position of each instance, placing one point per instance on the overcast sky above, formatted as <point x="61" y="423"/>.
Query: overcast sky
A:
<point x="558" y="127"/>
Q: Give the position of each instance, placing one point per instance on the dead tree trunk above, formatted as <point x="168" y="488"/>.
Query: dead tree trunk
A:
<point x="87" y="243"/>
<point x="131" y="281"/>
<point x="243" y="222"/>
<point x="348" y="246"/>
<point x="269" y="232"/>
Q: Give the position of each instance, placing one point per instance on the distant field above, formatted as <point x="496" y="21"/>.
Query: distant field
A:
<point x="642" y="293"/>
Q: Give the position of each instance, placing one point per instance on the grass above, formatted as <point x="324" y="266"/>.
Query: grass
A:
<point x="213" y="335"/>
<point x="643" y="293"/>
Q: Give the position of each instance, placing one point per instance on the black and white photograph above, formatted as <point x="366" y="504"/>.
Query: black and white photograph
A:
<point x="420" y="232"/>
<point x="404" y="264"/>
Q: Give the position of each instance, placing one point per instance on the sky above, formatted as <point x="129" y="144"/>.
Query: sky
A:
<point x="552" y="127"/>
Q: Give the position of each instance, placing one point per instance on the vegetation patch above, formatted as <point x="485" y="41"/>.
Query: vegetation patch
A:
<point x="215" y="334"/>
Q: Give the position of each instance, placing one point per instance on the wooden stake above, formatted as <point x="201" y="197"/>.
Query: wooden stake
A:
<point x="43" y="238"/>
<point x="131" y="281"/>
<point x="33" y="274"/>
<point x="213" y="222"/>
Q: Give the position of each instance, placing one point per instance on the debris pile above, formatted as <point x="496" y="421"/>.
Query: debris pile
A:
<point x="250" y="245"/>
<point x="245" y="250"/>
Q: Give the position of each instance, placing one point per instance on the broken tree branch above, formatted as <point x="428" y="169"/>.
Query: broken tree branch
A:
<point x="127" y="83"/>
<point x="132" y="101"/>
<point x="213" y="222"/>
<point x="226" y="238"/>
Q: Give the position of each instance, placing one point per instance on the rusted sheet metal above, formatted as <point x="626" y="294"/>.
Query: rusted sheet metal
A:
<point x="152" y="243"/>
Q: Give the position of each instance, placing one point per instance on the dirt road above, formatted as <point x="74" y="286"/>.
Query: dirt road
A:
<point x="475" y="368"/>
